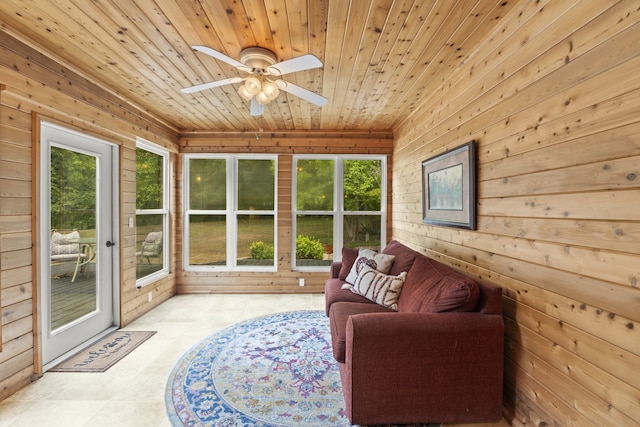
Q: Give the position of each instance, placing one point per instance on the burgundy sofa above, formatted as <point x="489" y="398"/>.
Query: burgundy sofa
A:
<point x="438" y="358"/>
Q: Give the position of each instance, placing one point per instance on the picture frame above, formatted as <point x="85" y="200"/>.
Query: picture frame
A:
<point x="449" y="188"/>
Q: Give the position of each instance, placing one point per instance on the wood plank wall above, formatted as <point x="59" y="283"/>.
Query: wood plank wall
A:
<point x="553" y="99"/>
<point x="285" y="145"/>
<point x="2" y="87"/>
<point x="36" y="88"/>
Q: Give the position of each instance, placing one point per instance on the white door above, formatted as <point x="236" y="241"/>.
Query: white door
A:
<point x="78" y="254"/>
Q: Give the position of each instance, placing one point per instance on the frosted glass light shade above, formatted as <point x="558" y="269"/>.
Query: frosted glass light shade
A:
<point x="270" y="90"/>
<point x="262" y="98"/>
<point x="243" y="92"/>
<point x="253" y="85"/>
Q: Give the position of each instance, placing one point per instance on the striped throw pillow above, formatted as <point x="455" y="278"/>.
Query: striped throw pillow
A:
<point x="379" y="287"/>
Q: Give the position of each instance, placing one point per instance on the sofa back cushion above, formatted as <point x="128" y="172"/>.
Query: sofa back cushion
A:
<point x="349" y="256"/>
<point x="404" y="257"/>
<point x="432" y="287"/>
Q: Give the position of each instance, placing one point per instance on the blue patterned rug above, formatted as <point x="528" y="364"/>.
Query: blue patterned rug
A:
<point x="275" y="370"/>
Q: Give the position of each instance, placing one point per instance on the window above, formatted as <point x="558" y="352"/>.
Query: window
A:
<point x="338" y="201"/>
<point x="152" y="212"/>
<point x="230" y="221"/>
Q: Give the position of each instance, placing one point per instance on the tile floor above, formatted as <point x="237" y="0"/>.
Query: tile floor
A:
<point x="131" y="393"/>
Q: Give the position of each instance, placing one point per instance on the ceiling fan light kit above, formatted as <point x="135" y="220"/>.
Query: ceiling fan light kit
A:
<point x="250" y="88"/>
<point x="269" y="92"/>
<point x="265" y="91"/>
<point x="258" y="88"/>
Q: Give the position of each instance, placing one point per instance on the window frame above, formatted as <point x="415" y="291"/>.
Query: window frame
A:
<point x="231" y="212"/>
<point x="338" y="211"/>
<point x="164" y="211"/>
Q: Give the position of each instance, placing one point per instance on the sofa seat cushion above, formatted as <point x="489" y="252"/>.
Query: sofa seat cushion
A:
<point x="333" y="293"/>
<point x="432" y="287"/>
<point x="338" y="316"/>
<point x="378" y="287"/>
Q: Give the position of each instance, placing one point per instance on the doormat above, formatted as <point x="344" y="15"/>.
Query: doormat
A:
<point x="103" y="354"/>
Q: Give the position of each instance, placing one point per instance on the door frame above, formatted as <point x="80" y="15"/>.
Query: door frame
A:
<point x="41" y="226"/>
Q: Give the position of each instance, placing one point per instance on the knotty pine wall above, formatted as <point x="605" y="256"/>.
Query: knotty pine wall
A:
<point x="38" y="88"/>
<point x="285" y="145"/>
<point x="553" y="99"/>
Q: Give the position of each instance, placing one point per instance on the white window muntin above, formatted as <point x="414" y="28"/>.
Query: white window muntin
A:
<point x="338" y="211"/>
<point x="230" y="212"/>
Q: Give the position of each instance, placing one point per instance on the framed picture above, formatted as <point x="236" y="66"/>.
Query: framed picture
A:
<point x="449" y="188"/>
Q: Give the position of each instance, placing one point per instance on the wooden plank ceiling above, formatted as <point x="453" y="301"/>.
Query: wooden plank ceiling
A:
<point x="381" y="57"/>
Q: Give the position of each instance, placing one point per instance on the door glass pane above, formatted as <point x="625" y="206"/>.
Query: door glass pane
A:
<point x="255" y="240"/>
<point x="362" y="184"/>
<point x="314" y="186"/>
<point x="362" y="231"/>
<point x="73" y="236"/>
<point x="256" y="189"/>
<point x="314" y="240"/>
<point x="207" y="184"/>
<point x="207" y="240"/>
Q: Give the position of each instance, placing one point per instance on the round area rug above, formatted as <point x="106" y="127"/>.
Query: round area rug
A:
<point x="275" y="370"/>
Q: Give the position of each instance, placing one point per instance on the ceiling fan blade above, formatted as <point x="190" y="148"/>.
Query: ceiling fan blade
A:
<point x="221" y="56"/>
<point x="257" y="109"/>
<point x="305" y="94"/>
<point x="304" y="62"/>
<point x="210" y="85"/>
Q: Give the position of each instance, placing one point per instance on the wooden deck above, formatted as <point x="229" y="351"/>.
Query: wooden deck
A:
<point x="71" y="300"/>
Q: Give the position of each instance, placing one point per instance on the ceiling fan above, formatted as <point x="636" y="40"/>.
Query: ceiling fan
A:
<point x="263" y="84"/>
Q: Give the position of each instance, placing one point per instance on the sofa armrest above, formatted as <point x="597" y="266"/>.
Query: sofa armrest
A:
<point x="445" y="367"/>
<point x="335" y="269"/>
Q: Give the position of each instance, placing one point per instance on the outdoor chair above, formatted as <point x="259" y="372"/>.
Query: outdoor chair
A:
<point x="65" y="247"/>
<point x="151" y="247"/>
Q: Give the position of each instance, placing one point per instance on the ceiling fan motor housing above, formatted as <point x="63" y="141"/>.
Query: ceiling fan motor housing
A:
<point x="257" y="58"/>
